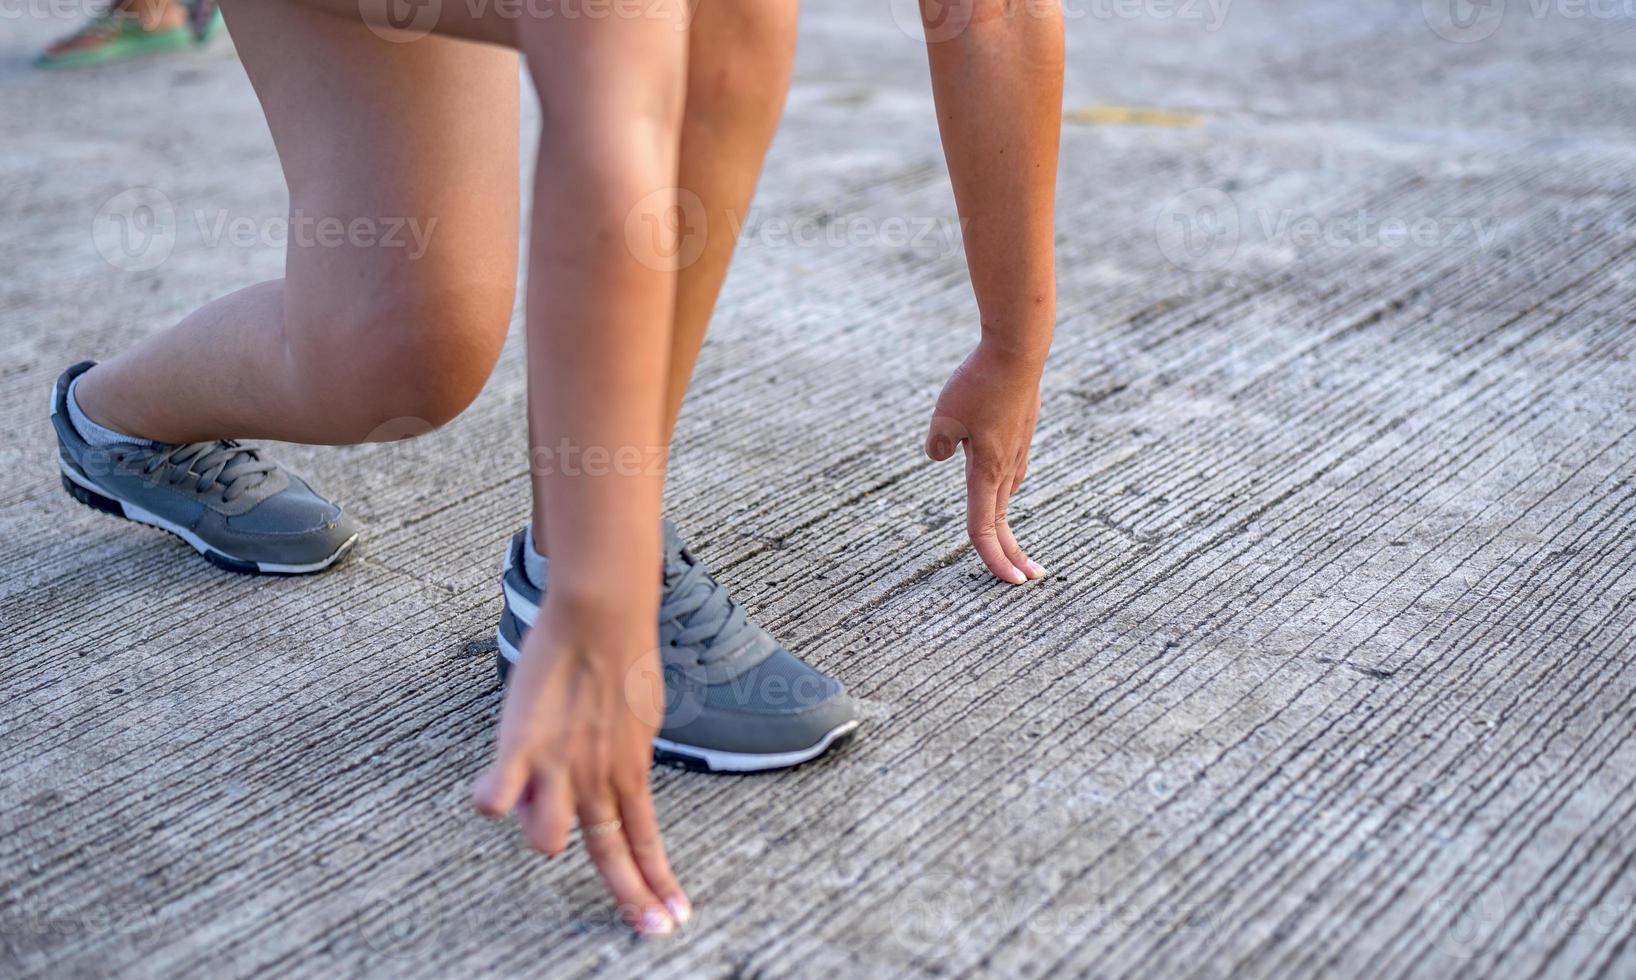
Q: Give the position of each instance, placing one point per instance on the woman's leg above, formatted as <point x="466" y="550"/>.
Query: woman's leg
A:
<point x="740" y="53"/>
<point x="375" y="332"/>
<point x="279" y="378"/>
<point x="573" y="741"/>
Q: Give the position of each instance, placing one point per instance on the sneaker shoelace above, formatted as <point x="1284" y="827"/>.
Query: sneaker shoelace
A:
<point x="701" y="606"/>
<point x="233" y="466"/>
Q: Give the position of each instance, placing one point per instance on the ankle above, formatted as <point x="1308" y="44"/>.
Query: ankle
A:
<point x="89" y="392"/>
<point x="90" y="422"/>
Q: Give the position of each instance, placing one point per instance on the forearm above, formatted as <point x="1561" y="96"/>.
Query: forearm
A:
<point x="598" y="349"/>
<point x="998" y="87"/>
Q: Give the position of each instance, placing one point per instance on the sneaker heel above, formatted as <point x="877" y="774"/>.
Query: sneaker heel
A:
<point x="91" y="499"/>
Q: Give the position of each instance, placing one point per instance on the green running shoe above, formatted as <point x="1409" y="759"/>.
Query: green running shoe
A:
<point x="118" y="35"/>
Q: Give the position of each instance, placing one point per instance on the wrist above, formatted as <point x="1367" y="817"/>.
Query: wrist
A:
<point x="601" y="607"/>
<point x="1015" y="355"/>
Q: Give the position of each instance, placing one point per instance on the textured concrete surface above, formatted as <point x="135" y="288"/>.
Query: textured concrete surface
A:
<point x="1337" y="478"/>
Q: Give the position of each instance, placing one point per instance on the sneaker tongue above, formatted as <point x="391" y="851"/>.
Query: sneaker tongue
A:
<point x="686" y="582"/>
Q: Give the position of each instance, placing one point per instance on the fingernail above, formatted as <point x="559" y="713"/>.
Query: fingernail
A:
<point x="1016" y="577"/>
<point x="680" y="910"/>
<point x="1035" y="569"/>
<point x="655" y="923"/>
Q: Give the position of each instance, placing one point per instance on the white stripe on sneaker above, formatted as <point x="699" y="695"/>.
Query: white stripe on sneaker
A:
<point x="141" y="516"/>
<point x="715" y="759"/>
<point x="520" y="605"/>
<point x="752" y="762"/>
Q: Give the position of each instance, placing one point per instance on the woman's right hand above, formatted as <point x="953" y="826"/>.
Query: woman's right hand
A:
<point x="585" y="700"/>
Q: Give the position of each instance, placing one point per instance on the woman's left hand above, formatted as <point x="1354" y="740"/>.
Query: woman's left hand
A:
<point x="989" y="407"/>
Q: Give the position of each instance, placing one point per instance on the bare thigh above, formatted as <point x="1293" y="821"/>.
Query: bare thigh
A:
<point x="402" y="166"/>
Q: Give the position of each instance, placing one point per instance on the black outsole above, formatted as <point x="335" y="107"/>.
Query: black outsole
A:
<point x="95" y="501"/>
<point x="677" y="760"/>
<point x="109" y="505"/>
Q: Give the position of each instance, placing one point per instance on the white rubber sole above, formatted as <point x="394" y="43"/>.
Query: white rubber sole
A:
<point x="132" y="512"/>
<point x="713" y="759"/>
<point x="745" y="762"/>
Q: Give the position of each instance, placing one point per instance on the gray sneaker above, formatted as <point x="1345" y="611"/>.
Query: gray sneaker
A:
<point x="735" y="700"/>
<point x="239" y="509"/>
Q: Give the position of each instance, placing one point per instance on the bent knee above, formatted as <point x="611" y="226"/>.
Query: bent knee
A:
<point x="403" y="362"/>
<point x="435" y="356"/>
